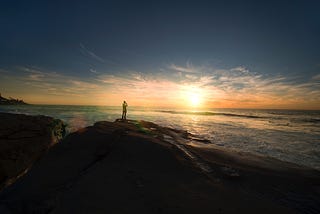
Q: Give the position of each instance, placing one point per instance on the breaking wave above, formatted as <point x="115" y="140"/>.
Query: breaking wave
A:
<point x="208" y="113"/>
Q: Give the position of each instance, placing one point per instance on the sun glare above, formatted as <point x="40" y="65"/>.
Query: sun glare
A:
<point x="194" y="100"/>
<point x="193" y="96"/>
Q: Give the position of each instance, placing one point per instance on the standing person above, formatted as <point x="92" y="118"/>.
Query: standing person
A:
<point x="124" y="110"/>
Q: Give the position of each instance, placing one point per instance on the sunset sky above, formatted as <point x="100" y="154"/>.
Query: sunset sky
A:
<point x="197" y="54"/>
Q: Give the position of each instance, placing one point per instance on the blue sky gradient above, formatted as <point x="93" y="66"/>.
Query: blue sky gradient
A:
<point x="85" y="40"/>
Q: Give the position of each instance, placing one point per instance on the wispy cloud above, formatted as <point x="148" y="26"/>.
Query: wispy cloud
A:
<point x="191" y="77"/>
<point x="240" y="69"/>
<point x="316" y="77"/>
<point x="50" y="85"/>
<point x="36" y="77"/>
<point x="89" y="53"/>
<point x="3" y="70"/>
<point x="235" y="87"/>
<point x="187" y="69"/>
<point x="93" y="71"/>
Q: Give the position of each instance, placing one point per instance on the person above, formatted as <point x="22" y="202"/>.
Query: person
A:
<point x="124" y="110"/>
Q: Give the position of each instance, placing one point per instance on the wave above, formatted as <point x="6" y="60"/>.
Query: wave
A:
<point x="311" y="120"/>
<point x="272" y="119"/>
<point x="208" y="113"/>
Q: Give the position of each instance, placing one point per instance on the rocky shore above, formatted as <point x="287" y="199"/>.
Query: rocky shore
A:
<point x="11" y="101"/>
<point x="23" y="140"/>
<point x="140" y="167"/>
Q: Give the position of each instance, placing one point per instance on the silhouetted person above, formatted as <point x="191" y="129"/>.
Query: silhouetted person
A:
<point x="124" y="110"/>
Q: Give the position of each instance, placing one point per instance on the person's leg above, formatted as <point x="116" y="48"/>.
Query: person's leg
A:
<point x="125" y="115"/>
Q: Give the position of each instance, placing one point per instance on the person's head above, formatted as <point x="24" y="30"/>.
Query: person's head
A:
<point x="124" y="101"/>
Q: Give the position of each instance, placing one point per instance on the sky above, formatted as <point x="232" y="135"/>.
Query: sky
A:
<point x="193" y="54"/>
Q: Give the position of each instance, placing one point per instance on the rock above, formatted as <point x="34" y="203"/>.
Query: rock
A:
<point x="23" y="140"/>
<point x="11" y="101"/>
<point x="229" y="172"/>
<point x="121" y="168"/>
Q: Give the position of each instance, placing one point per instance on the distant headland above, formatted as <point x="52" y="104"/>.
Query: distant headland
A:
<point x="11" y="101"/>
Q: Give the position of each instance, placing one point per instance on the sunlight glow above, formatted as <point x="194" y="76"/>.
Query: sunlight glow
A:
<point x="193" y="96"/>
<point x="194" y="100"/>
<point x="234" y="88"/>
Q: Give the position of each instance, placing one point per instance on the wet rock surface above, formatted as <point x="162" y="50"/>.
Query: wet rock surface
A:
<point x="23" y="140"/>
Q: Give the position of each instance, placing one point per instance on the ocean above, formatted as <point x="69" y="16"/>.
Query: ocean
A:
<point x="288" y="135"/>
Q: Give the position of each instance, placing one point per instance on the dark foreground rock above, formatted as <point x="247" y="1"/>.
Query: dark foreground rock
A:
<point x="139" y="167"/>
<point x="23" y="140"/>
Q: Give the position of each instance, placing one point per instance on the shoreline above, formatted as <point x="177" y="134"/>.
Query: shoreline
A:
<point x="266" y="136"/>
<point x="154" y="169"/>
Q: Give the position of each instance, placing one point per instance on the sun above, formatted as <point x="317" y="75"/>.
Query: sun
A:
<point x="194" y="100"/>
<point x="193" y="96"/>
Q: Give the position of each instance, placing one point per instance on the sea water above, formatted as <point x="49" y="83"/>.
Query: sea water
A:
<point x="288" y="135"/>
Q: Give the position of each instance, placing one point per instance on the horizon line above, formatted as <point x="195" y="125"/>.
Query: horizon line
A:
<point x="194" y="109"/>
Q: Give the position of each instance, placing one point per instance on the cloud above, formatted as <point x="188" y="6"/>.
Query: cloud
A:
<point x="3" y="71"/>
<point x="316" y="77"/>
<point x="36" y="74"/>
<point x="238" y="85"/>
<point x="82" y="85"/>
<point x="191" y="77"/>
<point x="187" y="69"/>
<point x="93" y="71"/>
<point x="217" y="87"/>
<point x="141" y="90"/>
<point x="235" y="87"/>
<point x="88" y="53"/>
<point x="57" y="84"/>
<point x="240" y="69"/>
<point x="36" y="77"/>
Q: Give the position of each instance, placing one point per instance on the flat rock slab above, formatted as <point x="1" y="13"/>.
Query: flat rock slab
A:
<point x="121" y="167"/>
